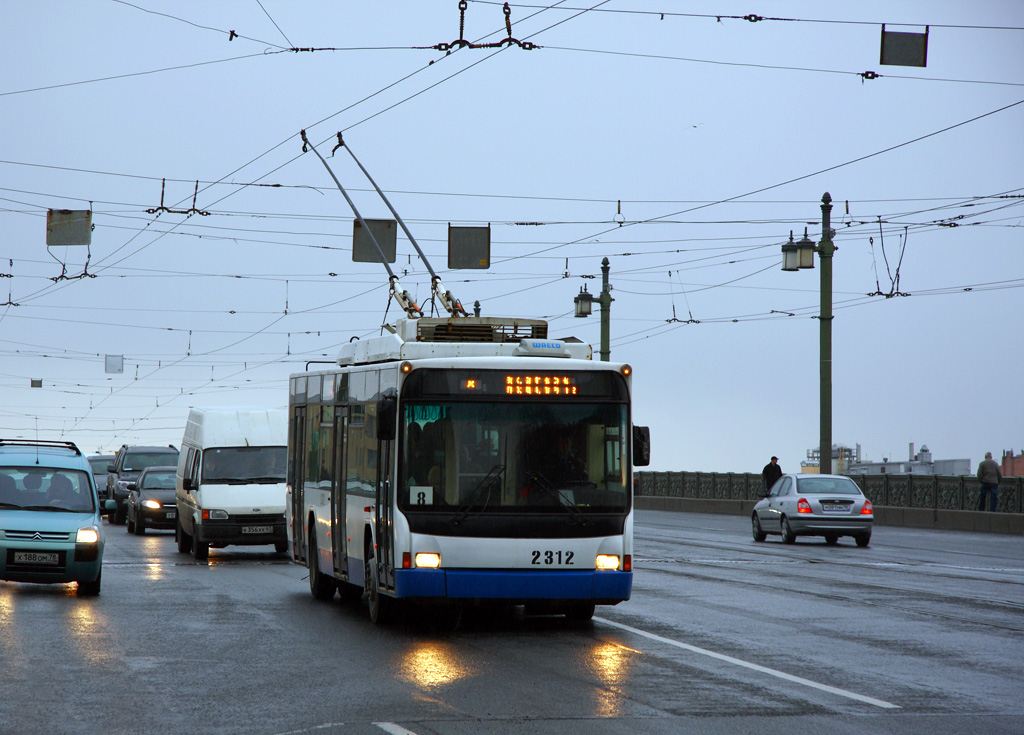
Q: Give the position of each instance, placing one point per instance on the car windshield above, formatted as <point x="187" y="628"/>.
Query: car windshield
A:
<point x="46" y="489"/>
<point x="99" y="465"/>
<point x="827" y="486"/>
<point x="242" y="465"/>
<point x="138" y="461"/>
<point x="158" y="481"/>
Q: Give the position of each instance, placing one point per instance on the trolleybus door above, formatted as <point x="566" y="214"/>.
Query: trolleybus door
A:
<point x="339" y="521"/>
<point x="297" y="478"/>
<point x="387" y="409"/>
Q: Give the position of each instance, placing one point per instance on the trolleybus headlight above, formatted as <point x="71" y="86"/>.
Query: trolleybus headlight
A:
<point x="607" y="561"/>
<point x="428" y="560"/>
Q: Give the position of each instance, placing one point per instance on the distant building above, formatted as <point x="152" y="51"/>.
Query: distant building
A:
<point x="1013" y="464"/>
<point x="842" y="458"/>
<point x="916" y="464"/>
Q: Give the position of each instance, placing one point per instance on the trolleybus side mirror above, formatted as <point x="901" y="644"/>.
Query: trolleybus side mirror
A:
<point x="387" y="413"/>
<point x="641" y="446"/>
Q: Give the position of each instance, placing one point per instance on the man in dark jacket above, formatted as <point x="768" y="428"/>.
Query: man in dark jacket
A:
<point x="989" y="476"/>
<point x="771" y="473"/>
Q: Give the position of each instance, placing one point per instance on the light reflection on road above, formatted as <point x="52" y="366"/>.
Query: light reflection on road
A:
<point x="611" y="664"/>
<point x="430" y="664"/>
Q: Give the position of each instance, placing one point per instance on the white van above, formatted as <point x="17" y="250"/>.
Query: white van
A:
<point x="230" y="483"/>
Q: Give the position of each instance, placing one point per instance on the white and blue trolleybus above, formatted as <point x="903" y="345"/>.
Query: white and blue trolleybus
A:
<point x="465" y="460"/>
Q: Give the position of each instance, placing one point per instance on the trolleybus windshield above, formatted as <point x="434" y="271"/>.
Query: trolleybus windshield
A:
<point x="481" y="442"/>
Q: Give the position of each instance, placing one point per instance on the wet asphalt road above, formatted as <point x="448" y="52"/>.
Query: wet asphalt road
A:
<point x="921" y="633"/>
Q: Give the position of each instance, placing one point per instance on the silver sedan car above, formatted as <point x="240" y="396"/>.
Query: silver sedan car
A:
<point x="814" y="505"/>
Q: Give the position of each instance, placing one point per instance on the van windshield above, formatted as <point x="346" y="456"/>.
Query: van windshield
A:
<point x="242" y="465"/>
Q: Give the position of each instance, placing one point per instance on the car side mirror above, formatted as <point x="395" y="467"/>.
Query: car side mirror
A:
<point x="109" y="505"/>
<point x="110" y="468"/>
<point x="133" y="486"/>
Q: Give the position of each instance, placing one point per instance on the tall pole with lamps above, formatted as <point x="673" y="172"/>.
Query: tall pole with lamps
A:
<point x="797" y="255"/>
<point x="584" y="301"/>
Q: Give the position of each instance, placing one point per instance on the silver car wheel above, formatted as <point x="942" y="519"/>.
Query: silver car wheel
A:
<point x="759" y="534"/>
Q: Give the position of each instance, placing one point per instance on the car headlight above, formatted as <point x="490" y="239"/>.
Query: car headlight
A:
<point x="88" y="535"/>
<point x="151" y="504"/>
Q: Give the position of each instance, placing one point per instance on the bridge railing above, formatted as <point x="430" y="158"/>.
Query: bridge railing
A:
<point x="935" y="492"/>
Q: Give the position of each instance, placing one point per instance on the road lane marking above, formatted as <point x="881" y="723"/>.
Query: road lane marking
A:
<point x="393" y="729"/>
<point x="754" y="667"/>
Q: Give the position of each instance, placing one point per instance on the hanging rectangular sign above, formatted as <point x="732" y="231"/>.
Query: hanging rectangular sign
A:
<point x="904" y="49"/>
<point x="68" y="227"/>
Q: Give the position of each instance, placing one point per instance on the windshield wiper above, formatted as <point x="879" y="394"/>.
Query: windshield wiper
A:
<point x="265" y="479"/>
<point x="563" y="502"/>
<point x="57" y="508"/>
<point x="474" y="495"/>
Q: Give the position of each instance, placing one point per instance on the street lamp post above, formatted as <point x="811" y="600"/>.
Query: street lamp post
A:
<point x="796" y="256"/>
<point x="583" y="303"/>
<point x="606" y="310"/>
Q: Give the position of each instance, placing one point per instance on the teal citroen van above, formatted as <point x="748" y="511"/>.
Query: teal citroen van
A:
<point x="50" y="530"/>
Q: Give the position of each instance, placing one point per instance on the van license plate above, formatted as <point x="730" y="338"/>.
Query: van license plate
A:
<point x="35" y="557"/>
<point x="257" y="529"/>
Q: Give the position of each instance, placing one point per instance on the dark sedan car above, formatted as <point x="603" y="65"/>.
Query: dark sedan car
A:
<point x="814" y="505"/>
<point x="151" y="500"/>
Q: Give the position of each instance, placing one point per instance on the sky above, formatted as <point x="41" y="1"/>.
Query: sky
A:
<point x="683" y="141"/>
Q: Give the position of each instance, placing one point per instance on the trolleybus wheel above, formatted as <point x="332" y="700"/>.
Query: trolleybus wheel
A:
<point x="321" y="587"/>
<point x="378" y="604"/>
<point x="580" y="612"/>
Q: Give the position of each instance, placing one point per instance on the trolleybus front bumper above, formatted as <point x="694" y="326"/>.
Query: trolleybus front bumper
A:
<point x="601" y="587"/>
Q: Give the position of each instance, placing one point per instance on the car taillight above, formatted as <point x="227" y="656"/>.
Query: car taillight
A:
<point x="866" y="510"/>
<point x="803" y="506"/>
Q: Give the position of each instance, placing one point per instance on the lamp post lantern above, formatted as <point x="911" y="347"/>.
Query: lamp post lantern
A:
<point x="799" y="255"/>
<point x="583" y="303"/>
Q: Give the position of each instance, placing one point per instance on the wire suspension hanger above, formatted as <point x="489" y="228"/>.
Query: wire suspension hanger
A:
<point x="192" y="210"/>
<point x="461" y="42"/>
